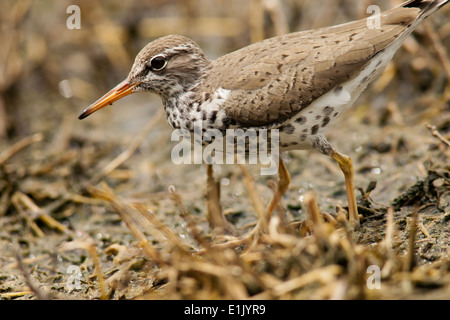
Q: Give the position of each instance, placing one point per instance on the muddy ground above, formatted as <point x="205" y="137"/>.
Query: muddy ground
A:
<point x="95" y="209"/>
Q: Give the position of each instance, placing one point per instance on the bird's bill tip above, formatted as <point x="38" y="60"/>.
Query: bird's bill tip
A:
<point x="121" y="90"/>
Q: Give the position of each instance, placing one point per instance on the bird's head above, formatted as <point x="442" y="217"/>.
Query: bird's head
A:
<point x="166" y="66"/>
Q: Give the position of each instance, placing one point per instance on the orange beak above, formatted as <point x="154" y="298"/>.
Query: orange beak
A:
<point x="121" y="90"/>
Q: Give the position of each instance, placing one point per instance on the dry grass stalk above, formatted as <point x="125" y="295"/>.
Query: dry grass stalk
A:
<point x="436" y="133"/>
<point x="255" y="198"/>
<point x="21" y="144"/>
<point x="26" y="207"/>
<point x="98" y="271"/>
<point x="107" y="194"/>
<point x="214" y="213"/>
<point x="275" y="10"/>
<point x="390" y="229"/>
<point x="14" y="265"/>
<point x="322" y="275"/>
<point x="439" y="48"/>
<point x="121" y="158"/>
<point x="256" y="21"/>
<point x="38" y="292"/>
<point x="87" y="245"/>
<point x="199" y="26"/>
<point x="14" y="295"/>
<point x="176" y="198"/>
<point x="387" y="245"/>
<point x="410" y="255"/>
<point x="233" y="274"/>
<point x="321" y="258"/>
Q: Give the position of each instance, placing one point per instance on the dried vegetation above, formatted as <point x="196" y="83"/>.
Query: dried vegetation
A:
<point x="103" y="198"/>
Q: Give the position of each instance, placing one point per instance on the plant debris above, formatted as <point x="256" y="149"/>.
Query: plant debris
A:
<point x="97" y="210"/>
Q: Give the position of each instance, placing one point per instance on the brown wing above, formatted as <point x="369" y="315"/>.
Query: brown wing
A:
<point x="274" y="79"/>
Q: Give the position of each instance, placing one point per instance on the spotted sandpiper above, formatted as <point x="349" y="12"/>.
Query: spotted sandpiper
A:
<point x="298" y="83"/>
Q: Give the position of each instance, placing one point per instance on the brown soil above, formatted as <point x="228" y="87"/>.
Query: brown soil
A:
<point x="139" y="230"/>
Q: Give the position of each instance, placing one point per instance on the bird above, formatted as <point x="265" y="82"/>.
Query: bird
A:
<point x="297" y="83"/>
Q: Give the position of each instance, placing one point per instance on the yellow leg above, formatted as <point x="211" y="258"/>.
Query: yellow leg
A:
<point x="214" y="214"/>
<point x="346" y="165"/>
<point x="284" y="179"/>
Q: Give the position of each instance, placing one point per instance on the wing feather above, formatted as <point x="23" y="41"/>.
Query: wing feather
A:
<point x="274" y="79"/>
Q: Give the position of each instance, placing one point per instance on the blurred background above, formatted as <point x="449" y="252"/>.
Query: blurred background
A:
<point x="50" y="73"/>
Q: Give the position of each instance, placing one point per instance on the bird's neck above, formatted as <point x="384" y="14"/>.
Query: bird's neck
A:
<point x="187" y="94"/>
<point x="183" y="100"/>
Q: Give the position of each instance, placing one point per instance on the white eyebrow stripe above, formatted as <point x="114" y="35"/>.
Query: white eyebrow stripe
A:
<point x="173" y="50"/>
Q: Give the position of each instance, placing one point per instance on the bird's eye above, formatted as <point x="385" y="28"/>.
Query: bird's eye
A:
<point x="158" y="63"/>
